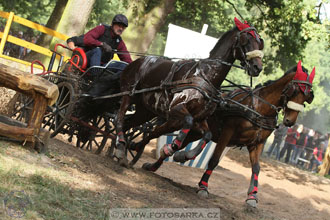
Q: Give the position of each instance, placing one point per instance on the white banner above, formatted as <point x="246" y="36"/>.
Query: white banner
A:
<point x="185" y="43"/>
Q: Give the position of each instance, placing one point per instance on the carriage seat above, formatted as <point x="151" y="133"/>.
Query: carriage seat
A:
<point x="79" y="60"/>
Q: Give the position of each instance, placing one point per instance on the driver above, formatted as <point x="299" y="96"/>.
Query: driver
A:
<point x="99" y="45"/>
<point x="100" y="42"/>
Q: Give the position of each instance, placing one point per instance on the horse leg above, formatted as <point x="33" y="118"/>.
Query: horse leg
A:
<point x="183" y="156"/>
<point x="168" y="149"/>
<point x="254" y="153"/>
<point x="223" y="140"/>
<point x="120" y="140"/>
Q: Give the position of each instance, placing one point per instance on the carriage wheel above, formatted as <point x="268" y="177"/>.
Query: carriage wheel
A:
<point x="57" y="115"/>
<point x="20" y="107"/>
<point x="133" y="137"/>
<point x="95" y="133"/>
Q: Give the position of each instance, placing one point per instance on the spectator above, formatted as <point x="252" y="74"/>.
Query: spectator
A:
<point x="317" y="157"/>
<point x="21" y="50"/>
<point x="312" y="136"/>
<point x="34" y="41"/>
<point x="9" y="49"/>
<point x="300" y="146"/>
<point x="290" y="142"/>
<point x="279" y="134"/>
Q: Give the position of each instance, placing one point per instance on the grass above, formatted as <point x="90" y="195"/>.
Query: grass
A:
<point x="50" y="192"/>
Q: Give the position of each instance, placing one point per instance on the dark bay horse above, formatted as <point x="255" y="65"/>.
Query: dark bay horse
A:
<point x="234" y="127"/>
<point x="188" y="89"/>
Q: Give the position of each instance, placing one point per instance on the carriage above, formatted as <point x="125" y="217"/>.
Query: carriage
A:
<point x="77" y="116"/>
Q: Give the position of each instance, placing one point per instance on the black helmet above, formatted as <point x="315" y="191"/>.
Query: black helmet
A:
<point x="120" y="19"/>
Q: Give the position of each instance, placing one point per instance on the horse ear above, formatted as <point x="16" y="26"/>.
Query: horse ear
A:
<point x="299" y="71"/>
<point x="311" y="77"/>
<point x="299" y="68"/>
<point x="239" y="24"/>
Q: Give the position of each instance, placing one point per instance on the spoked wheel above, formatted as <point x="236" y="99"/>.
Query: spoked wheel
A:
<point x="133" y="137"/>
<point x="133" y="150"/>
<point x="57" y="115"/>
<point x="20" y="107"/>
<point x="95" y="133"/>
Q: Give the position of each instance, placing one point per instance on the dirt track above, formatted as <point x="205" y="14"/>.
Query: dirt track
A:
<point x="285" y="192"/>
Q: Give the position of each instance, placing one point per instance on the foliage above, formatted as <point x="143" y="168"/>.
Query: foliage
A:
<point x="288" y="25"/>
<point x="104" y="11"/>
<point x="36" y="11"/>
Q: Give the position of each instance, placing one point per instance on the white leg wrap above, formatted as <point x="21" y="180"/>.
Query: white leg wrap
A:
<point x="253" y="54"/>
<point x="295" y="106"/>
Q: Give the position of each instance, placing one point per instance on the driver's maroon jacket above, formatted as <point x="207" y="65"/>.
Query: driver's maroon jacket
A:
<point x="90" y="39"/>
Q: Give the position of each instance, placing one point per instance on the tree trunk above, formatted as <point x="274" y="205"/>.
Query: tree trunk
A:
<point x="74" y="20"/>
<point x="75" y="17"/>
<point x="52" y="23"/>
<point x="143" y="26"/>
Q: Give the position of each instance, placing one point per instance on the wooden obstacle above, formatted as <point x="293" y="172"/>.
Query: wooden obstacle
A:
<point x="325" y="166"/>
<point x="43" y="93"/>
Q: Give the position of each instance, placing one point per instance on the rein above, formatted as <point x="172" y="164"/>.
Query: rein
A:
<point x="175" y="58"/>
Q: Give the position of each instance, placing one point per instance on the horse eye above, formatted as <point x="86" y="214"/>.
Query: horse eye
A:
<point x="261" y="44"/>
<point x="243" y="39"/>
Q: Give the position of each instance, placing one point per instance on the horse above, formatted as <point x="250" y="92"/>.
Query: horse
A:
<point x="234" y="126"/>
<point x="187" y="92"/>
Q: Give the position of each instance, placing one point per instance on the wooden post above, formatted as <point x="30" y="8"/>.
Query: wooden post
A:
<point x="325" y="166"/>
<point x="41" y="90"/>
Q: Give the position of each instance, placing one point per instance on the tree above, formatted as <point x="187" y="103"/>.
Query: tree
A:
<point x="44" y="40"/>
<point x="146" y="18"/>
<point x="75" y="17"/>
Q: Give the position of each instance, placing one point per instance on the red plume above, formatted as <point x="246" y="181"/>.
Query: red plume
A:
<point x="300" y="74"/>
<point x="311" y="77"/>
<point x="242" y="26"/>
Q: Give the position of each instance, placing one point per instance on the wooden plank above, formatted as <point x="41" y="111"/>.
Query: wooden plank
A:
<point x="32" y="46"/>
<point x="325" y="166"/>
<point x="4" y="14"/>
<point x="18" y="133"/>
<point x="14" y="78"/>
<point x="41" y="143"/>
<point x="40" y="28"/>
<point x="29" y="45"/>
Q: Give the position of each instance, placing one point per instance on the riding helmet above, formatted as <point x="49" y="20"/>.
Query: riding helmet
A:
<point x="120" y="19"/>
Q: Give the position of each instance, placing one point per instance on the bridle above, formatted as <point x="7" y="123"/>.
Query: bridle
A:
<point x="291" y="90"/>
<point x="247" y="55"/>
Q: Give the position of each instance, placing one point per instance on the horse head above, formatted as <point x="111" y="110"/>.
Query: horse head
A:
<point x="298" y="91"/>
<point x="248" y="47"/>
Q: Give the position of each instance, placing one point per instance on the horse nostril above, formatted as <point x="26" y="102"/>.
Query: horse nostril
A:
<point x="257" y="67"/>
<point x="288" y="122"/>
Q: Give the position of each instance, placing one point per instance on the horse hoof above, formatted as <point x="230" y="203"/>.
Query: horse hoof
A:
<point x="252" y="203"/>
<point x="119" y="154"/>
<point x="180" y="157"/>
<point x="123" y="162"/>
<point x="203" y="193"/>
<point x="148" y="167"/>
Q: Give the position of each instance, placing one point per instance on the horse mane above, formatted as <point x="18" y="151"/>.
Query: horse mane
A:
<point x="292" y="69"/>
<point x="218" y="44"/>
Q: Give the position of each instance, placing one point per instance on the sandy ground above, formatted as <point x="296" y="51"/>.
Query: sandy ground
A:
<point x="285" y="192"/>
